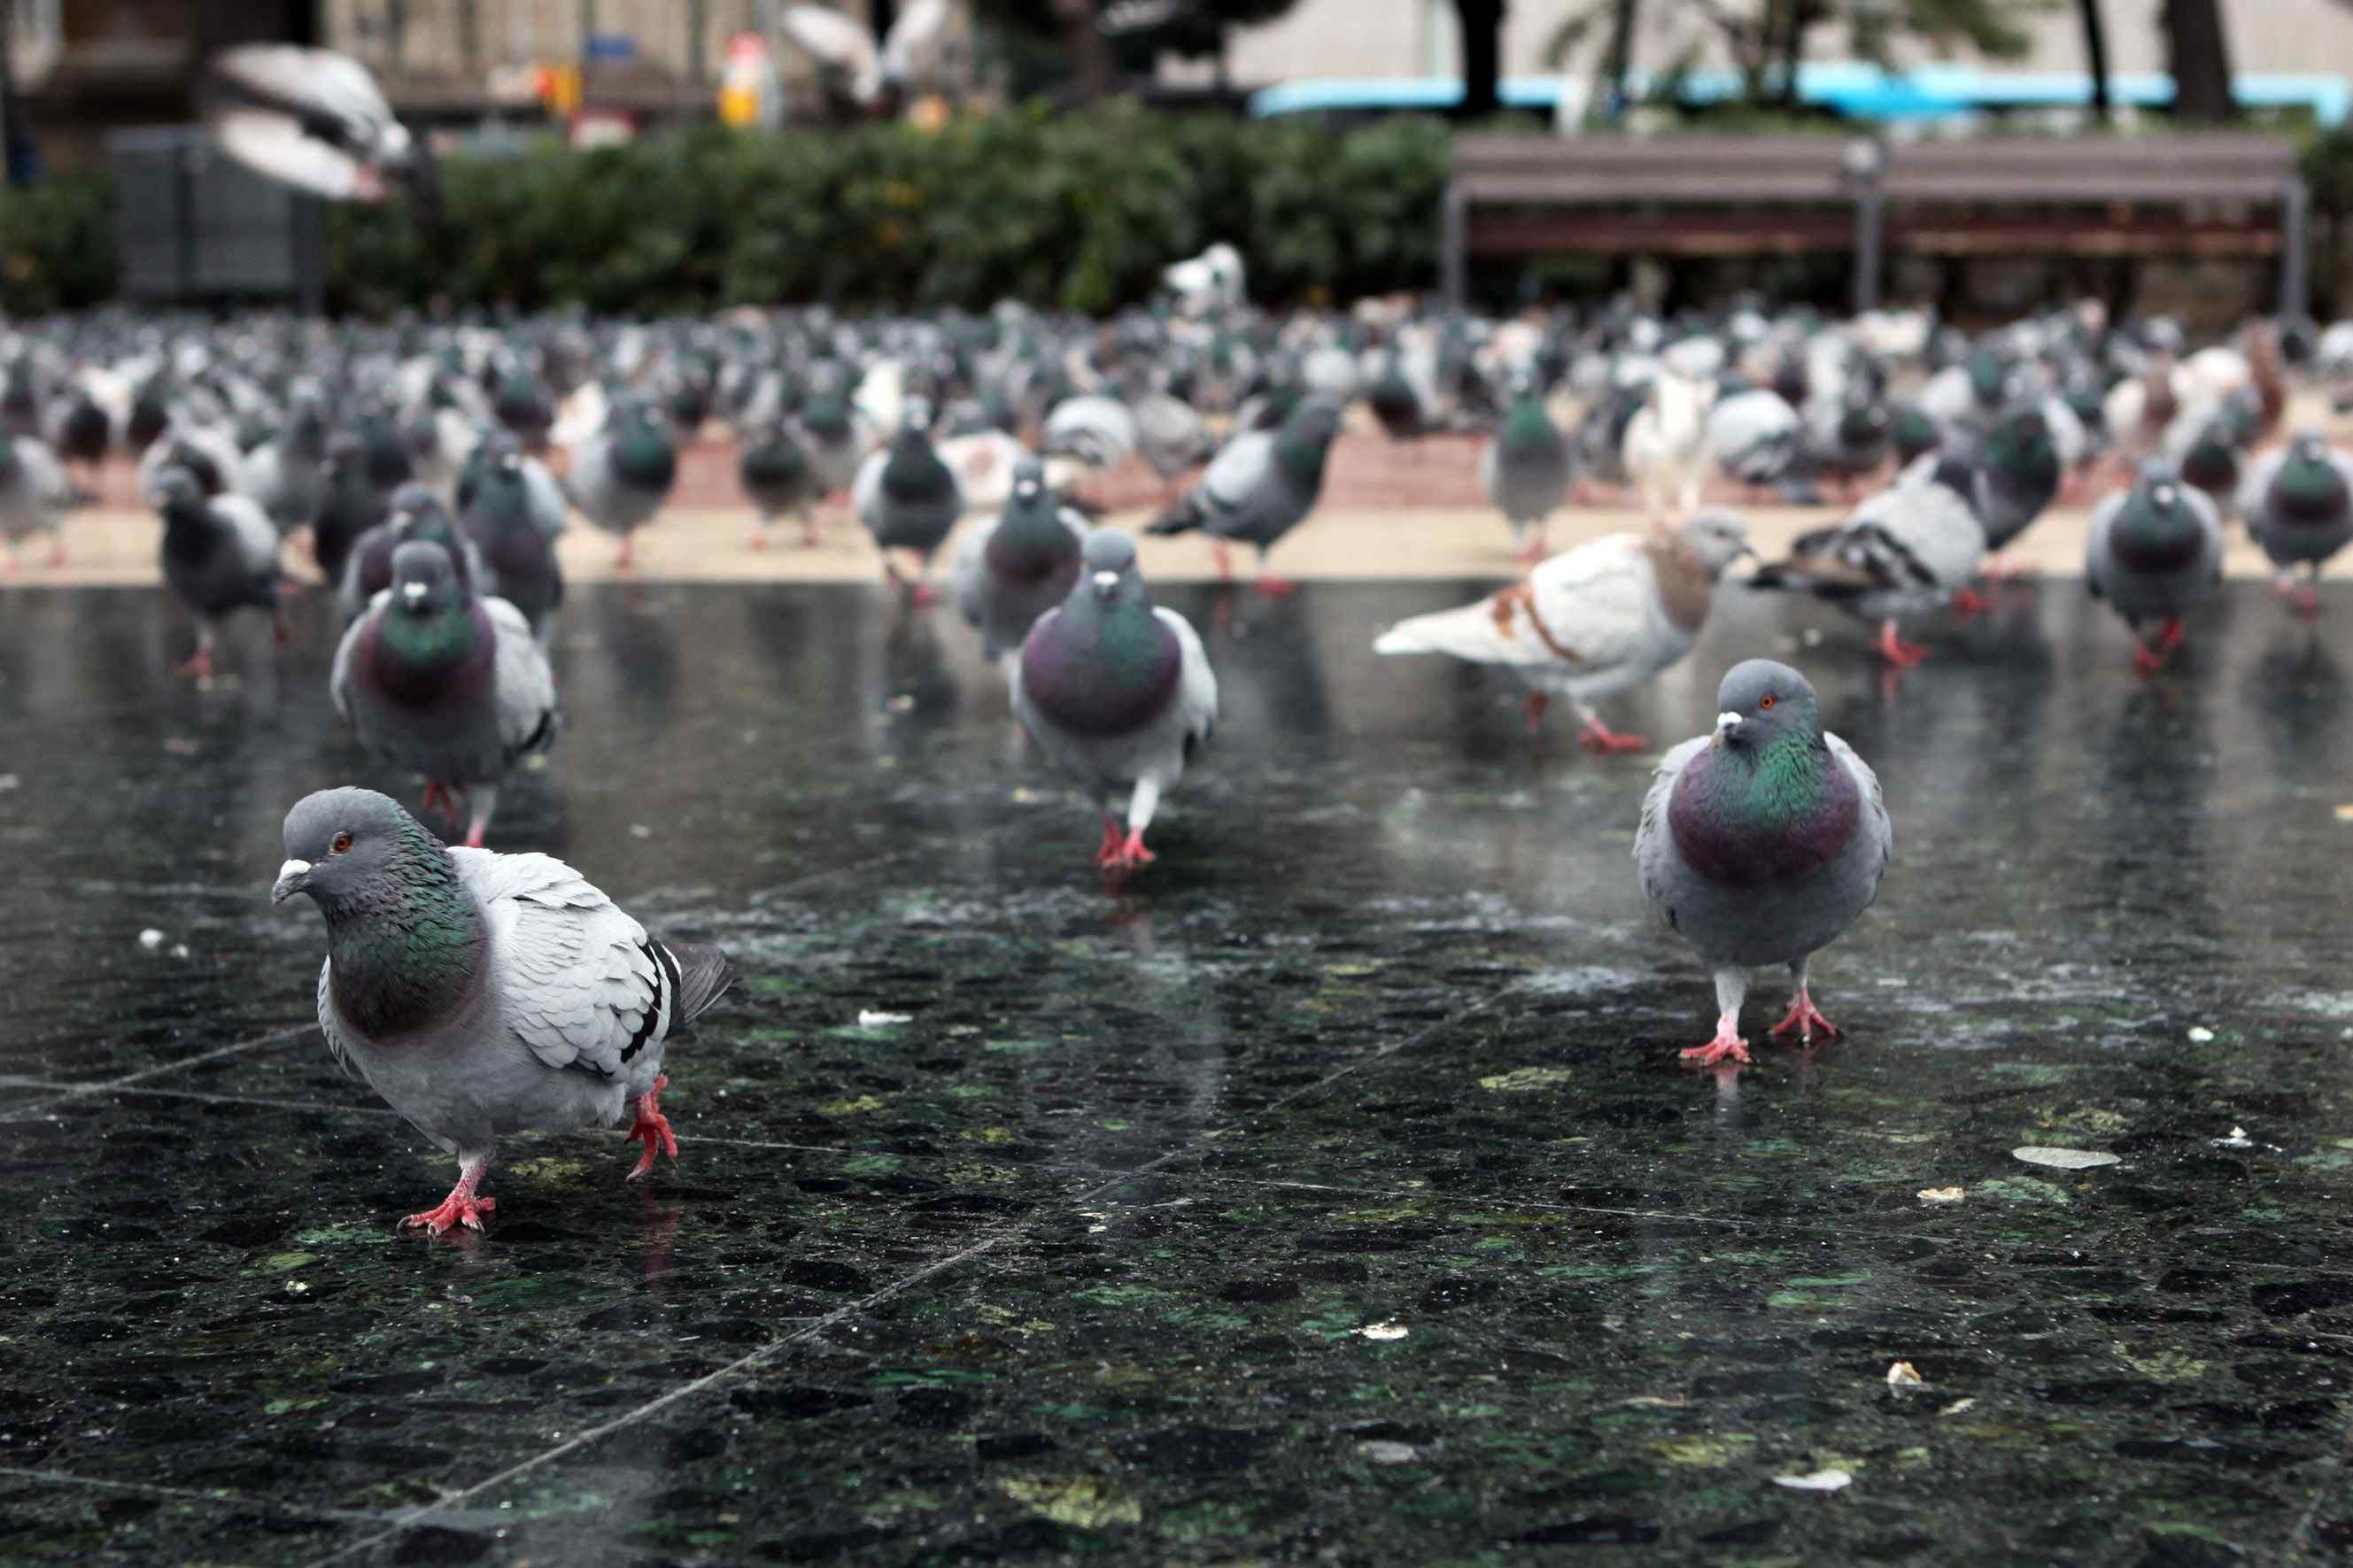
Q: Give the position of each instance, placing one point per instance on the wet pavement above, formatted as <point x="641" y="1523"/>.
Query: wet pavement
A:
<point x="1335" y="1193"/>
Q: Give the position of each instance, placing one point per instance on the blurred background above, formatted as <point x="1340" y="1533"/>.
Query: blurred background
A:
<point x="651" y="155"/>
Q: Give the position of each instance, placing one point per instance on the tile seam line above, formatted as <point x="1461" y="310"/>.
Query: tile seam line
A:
<point x="765" y="1352"/>
<point x="218" y="1053"/>
<point x="185" y="1494"/>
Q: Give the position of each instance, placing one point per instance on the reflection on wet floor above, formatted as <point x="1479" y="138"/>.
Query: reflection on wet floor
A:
<point x="1334" y="1189"/>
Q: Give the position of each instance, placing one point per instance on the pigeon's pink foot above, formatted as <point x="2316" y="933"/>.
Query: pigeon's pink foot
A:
<point x="440" y="797"/>
<point x="289" y="589"/>
<point x="278" y="636"/>
<point x="1133" y="854"/>
<point x="1968" y="604"/>
<point x="1895" y="650"/>
<point x="1727" y="1044"/>
<point x="1225" y="559"/>
<point x="627" y="558"/>
<point x="652" y="1128"/>
<point x="461" y="1207"/>
<point x="2172" y="637"/>
<point x="808" y="534"/>
<point x="58" y="556"/>
<point x="1802" y="1016"/>
<point x="1528" y="554"/>
<point x="758" y="541"/>
<point x="2145" y="660"/>
<point x="2305" y="601"/>
<point x="199" y="666"/>
<point x="1270" y="586"/>
<point x="1598" y="737"/>
<point x="474" y="838"/>
<point x="1114" y="844"/>
<point x="1538" y="702"/>
<point x="923" y="596"/>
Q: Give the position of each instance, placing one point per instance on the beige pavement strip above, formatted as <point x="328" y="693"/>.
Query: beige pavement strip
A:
<point x="119" y="548"/>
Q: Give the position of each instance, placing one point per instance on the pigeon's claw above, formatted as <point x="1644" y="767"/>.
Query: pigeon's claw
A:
<point x="1727" y="1044"/>
<point x="1598" y="737"/>
<point x="651" y="1129"/>
<point x="1113" y="845"/>
<point x="461" y="1207"/>
<point x="1895" y="650"/>
<point x="1270" y="586"/>
<point x="1803" y="1016"/>
<point x="199" y="666"/>
<point x="1968" y="604"/>
<point x="1133" y="853"/>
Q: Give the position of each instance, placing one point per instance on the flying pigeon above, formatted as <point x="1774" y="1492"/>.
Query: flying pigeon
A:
<point x="1761" y="843"/>
<point x="1260" y="487"/>
<point x="2155" y="552"/>
<point x="1526" y="469"/>
<point x="1591" y="622"/>
<point x="908" y="499"/>
<point x="1904" y="551"/>
<point x="1117" y="692"/>
<point x="439" y="681"/>
<point x="872" y="77"/>
<point x="621" y="472"/>
<point x="316" y="119"/>
<point x="1019" y="564"/>
<point x="2299" y="507"/>
<point x="220" y="554"/>
<point x="483" y="993"/>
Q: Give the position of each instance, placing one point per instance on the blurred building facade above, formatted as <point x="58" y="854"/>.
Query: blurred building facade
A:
<point x="1419" y="38"/>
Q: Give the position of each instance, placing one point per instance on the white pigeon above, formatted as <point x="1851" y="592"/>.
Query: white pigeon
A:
<point x="1665" y="446"/>
<point x="848" y="48"/>
<point x="1213" y="280"/>
<point x="1904" y="551"/>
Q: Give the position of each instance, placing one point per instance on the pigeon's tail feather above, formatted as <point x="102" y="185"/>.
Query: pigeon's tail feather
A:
<point x="704" y="973"/>
<point x="1467" y="633"/>
<point x="1182" y="517"/>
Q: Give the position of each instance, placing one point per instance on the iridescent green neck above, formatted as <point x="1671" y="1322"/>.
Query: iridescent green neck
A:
<point x="404" y="944"/>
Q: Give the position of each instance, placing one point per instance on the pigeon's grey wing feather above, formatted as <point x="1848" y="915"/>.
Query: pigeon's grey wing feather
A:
<point x="1198" y="683"/>
<point x="1875" y="805"/>
<point x="338" y="1046"/>
<point x="1596" y="603"/>
<point x="548" y="510"/>
<point x="581" y="985"/>
<point x="866" y="489"/>
<point x="257" y="536"/>
<point x="1654" y="851"/>
<point x="970" y="570"/>
<point x="523" y="686"/>
<point x="44" y="475"/>
<point x="1236" y="473"/>
<point x="339" y="680"/>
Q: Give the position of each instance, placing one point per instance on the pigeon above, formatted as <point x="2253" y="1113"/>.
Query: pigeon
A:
<point x="220" y="554"/>
<point x="287" y="474"/>
<point x="1526" y="469"/>
<point x="1117" y="692"/>
<point x="870" y="75"/>
<point x="1211" y="281"/>
<point x="415" y="512"/>
<point x="2019" y="469"/>
<point x="315" y="119"/>
<point x="482" y="994"/>
<point x="209" y="456"/>
<point x="1095" y="430"/>
<point x="1847" y="438"/>
<point x="777" y="473"/>
<point x="1591" y="622"/>
<point x="1761" y="843"/>
<point x="34" y="493"/>
<point x="1754" y="437"/>
<point x="1904" y="551"/>
<point x="513" y="513"/>
<point x="1665" y="448"/>
<point x="2155" y="552"/>
<point x="1171" y="435"/>
<point x="622" y="473"/>
<point x="1019" y="564"/>
<point x="439" y="681"/>
<point x="837" y="435"/>
<point x="1260" y="486"/>
<point x="2299" y="507"/>
<point x="350" y="504"/>
<point x="908" y="499"/>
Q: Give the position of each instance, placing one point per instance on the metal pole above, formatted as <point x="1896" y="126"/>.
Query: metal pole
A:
<point x="1869" y="223"/>
<point x="698" y="24"/>
<point x="2295" y="238"/>
<point x="1452" y="238"/>
<point x="469" y="36"/>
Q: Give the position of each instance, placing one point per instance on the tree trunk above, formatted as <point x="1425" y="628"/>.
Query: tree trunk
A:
<point x="1482" y="57"/>
<point x="2198" y="54"/>
<point x="1090" y="56"/>
<point x="2095" y="55"/>
<point x="1608" y="103"/>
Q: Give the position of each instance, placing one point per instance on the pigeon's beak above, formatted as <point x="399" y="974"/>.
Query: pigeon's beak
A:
<point x="1106" y="583"/>
<point x="1726" y="726"/>
<point x="412" y="593"/>
<point x="292" y="877"/>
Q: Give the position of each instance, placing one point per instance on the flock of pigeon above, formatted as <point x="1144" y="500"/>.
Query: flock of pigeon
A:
<point x="426" y="470"/>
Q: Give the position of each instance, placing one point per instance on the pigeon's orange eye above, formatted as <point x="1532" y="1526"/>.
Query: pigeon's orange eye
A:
<point x="1764" y="703"/>
<point x="342" y="842"/>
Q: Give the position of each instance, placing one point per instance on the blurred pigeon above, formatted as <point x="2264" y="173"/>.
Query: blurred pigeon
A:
<point x="874" y="76"/>
<point x="415" y="512"/>
<point x="1118" y="692"/>
<point x="777" y="474"/>
<point x="1904" y="551"/>
<point x="1591" y="622"/>
<point x="622" y="473"/>
<point x="439" y="681"/>
<point x="2299" y="507"/>
<point x="286" y="474"/>
<point x="483" y="993"/>
<point x="838" y="436"/>
<point x="1526" y="469"/>
<point x="513" y="513"/>
<point x="1260" y="487"/>
<point x="219" y="554"/>
<point x="314" y="119"/>
<point x="1754" y="435"/>
<point x="34" y="493"/>
<point x="1846" y="438"/>
<point x="908" y="499"/>
<point x="1213" y="280"/>
<point x="350" y="503"/>
<point x="1017" y="565"/>
<point x="2155" y="552"/>
<point x="1761" y="843"/>
<point x="1665" y="449"/>
<point x="2018" y="468"/>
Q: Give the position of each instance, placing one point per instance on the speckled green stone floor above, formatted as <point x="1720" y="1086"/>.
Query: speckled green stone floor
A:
<point x="1335" y="1195"/>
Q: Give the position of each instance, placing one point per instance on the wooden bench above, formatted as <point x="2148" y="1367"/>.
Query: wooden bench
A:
<point x="2197" y="195"/>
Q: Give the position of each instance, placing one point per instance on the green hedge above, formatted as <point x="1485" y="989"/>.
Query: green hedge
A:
<point x="56" y="246"/>
<point x="1079" y="212"/>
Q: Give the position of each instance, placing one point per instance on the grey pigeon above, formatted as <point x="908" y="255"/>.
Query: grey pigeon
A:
<point x="1591" y="622"/>
<point x="1020" y="563"/>
<point x="2299" y="507"/>
<point x="1526" y="469"/>
<point x="908" y="499"/>
<point x="779" y="476"/>
<point x="439" y="681"/>
<point x="286" y="474"/>
<point x="483" y="993"/>
<point x="1904" y="551"/>
<point x="2155" y="552"/>
<point x="513" y="513"/>
<point x="220" y="554"/>
<point x="622" y="474"/>
<point x="1754" y="435"/>
<point x="34" y="493"/>
<point x="415" y="512"/>
<point x="1261" y="486"/>
<point x="1761" y="843"/>
<point x="1118" y="692"/>
<point x="350" y="503"/>
<point x="2018" y="466"/>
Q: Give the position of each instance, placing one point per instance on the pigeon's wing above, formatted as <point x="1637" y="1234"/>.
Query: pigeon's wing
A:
<point x="44" y="474"/>
<point x="338" y="680"/>
<point x="971" y="569"/>
<point x="581" y="983"/>
<point x="1097" y="430"/>
<point x="1874" y="803"/>
<point x="831" y="39"/>
<point x="866" y="489"/>
<point x="1235" y="474"/>
<point x="1591" y="606"/>
<point x="2095" y="543"/>
<point x="257" y="536"/>
<point x="2255" y="485"/>
<point x="1198" y="687"/>
<point x="338" y="1046"/>
<point x="914" y="38"/>
<point x="1651" y="836"/>
<point x="525" y="688"/>
<point x="548" y="513"/>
